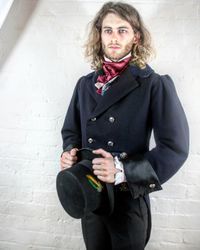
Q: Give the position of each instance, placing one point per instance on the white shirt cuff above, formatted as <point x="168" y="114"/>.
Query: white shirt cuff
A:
<point x="119" y="176"/>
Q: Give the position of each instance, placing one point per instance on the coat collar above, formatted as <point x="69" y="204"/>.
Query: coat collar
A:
<point x="121" y="87"/>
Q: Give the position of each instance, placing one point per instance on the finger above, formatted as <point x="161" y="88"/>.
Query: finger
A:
<point x="73" y="158"/>
<point x="69" y="154"/>
<point x="102" y="152"/>
<point x="73" y="151"/>
<point x="100" y="173"/>
<point x="67" y="161"/>
<point x="100" y="167"/>
<point x="69" y="157"/>
<point x="65" y="166"/>
<point x="97" y="167"/>
<point x="98" y="161"/>
<point x="104" y="179"/>
<point x="66" y="155"/>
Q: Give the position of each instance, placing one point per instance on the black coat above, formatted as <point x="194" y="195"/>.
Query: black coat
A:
<point x="122" y="121"/>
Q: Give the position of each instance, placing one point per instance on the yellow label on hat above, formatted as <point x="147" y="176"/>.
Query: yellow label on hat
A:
<point x="94" y="183"/>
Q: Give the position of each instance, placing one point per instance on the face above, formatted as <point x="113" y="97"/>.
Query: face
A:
<point x="117" y="37"/>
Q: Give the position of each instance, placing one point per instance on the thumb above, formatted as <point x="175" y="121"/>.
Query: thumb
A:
<point x="102" y="152"/>
<point x="73" y="151"/>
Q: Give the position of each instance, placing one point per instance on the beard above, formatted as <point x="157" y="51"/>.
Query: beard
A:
<point x="117" y="55"/>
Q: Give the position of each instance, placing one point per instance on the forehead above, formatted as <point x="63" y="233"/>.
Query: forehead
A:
<point x="114" y="21"/>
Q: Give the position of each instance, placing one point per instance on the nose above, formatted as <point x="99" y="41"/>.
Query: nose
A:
<point x="114" y="40"/>
<point x="114" y="37"/>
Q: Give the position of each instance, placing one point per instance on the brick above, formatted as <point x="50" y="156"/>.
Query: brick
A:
<point x="187" y="27"/>
<point x="187" y="207"/>
<point x="192" y="164"/>
<point x="191" y="237"/>
<point x="186" y="10"/>
<point x="49" y="153"/>
<point x="58" y="8"/>
<point x="191" y="178"/>
<point x="45" y="197"/>
<point x="162" y="205"/>
<point x="167" y="246"/>
<point x="194" y="146"/>
<point x="177" y="221"/>
<point x="12" y="136"/>
<point x="47" y="138"/>
<point x="165" y="26"/>
<point x="193" y="192"/>
<point x="18" y="151"/>
<point x="149" y="8"/>
<point x="168" y="235"/>
<point x="11" y="246"/>
<point x="171" y="191"/>
<point x="16" y="195"/>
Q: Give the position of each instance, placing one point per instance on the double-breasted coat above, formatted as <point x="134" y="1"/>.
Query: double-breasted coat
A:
<point x="138" y="102"/>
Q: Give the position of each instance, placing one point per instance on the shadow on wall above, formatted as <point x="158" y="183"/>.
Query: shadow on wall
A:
<point x="175" y="29"/>
<point x="13" y="26"/>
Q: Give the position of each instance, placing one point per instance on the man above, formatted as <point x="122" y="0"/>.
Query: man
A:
<point x="113" y="111"/>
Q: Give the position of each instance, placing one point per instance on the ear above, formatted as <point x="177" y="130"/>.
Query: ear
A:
<point x="136" y="38"/>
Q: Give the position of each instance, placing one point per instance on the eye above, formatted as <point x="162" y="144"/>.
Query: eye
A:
<point x="108" y="31"/>
<point x="122" y="31"/>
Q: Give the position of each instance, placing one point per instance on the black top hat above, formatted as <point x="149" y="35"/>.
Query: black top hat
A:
<point x="80" y="191"/>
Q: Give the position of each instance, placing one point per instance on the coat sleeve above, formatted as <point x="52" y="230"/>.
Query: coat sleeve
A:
<point x="71" y="130"/>
<point x="145" y="173"/>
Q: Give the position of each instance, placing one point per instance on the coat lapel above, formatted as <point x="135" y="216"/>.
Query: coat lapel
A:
<point x="92" y="89"/>
<point x="124" y="84"/>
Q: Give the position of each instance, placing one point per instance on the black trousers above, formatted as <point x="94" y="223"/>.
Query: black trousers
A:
<point x="125" y="229"/>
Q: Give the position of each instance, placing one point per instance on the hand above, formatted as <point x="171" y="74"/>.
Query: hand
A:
<point x="104" y="168"/>
<point x="68" y="158"/>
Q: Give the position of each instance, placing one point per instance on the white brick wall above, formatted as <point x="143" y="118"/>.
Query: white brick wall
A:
<point x="40" y="61"/>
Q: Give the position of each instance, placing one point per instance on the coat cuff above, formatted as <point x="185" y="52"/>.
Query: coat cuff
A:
<point x="141" y="177"/>
<point x="69" y="147"/>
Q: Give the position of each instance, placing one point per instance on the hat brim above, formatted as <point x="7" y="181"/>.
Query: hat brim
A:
<point x="78" y="196"/>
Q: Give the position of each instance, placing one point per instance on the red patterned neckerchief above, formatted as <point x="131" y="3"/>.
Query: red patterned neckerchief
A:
<point x="111" y="70"/>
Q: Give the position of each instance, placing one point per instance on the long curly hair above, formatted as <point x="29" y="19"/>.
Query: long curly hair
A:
<point x="142" y="50"/>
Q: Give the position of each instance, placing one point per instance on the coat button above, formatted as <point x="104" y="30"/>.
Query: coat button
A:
<point x="93" y="119"/>
<point x="90" y="140"/>
<point x="110" y="143"/>
<point x="152" y="185"/>
<point x="123" y="155"/>
<point x="111" y="119"/>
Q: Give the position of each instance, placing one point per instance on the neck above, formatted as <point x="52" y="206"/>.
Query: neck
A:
<point x="117" y="60"/>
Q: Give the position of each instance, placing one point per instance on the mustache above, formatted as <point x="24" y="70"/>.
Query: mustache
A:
<point x="114" y="44"/>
